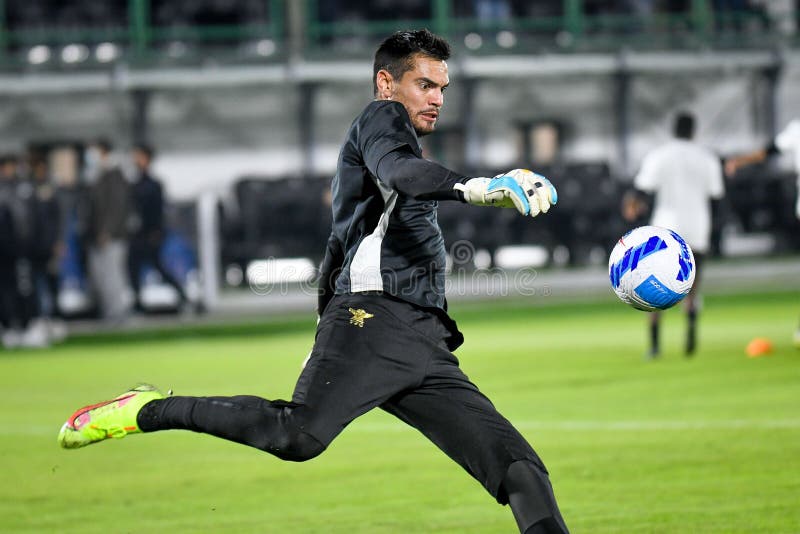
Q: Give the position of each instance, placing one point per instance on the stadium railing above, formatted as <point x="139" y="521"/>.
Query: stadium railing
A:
<point x="147" y="31"/>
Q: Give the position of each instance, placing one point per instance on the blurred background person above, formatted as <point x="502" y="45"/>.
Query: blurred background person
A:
<point x="8" y="253"/>
<point x="108" y="233"/>
<point x="683" y="177"/>
<point x="48" y="247"/>
<point x="73" y="194"/>
<point x="787" y="141"/>
<point x="147" y="228"/>
<point x="728" y="14"/>
<point x="21" y="315"/>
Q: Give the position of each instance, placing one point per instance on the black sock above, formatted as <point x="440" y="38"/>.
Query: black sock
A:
<point x="148" y="417"/>
<point x="532" y="501"/>
<point x="546" y="526"/>
<point x="691" y="333"/>
<point x="654" y="334"/>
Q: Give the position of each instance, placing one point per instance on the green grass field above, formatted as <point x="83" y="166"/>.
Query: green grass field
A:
<point x="707" y="445"/>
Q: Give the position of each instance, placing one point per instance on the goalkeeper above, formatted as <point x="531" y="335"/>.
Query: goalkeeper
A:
<point x="384" y="337"/>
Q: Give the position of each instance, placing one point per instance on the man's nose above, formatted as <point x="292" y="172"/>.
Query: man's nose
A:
<point x="437" y="98"/>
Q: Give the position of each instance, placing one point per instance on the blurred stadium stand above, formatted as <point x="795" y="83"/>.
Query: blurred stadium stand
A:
<point x="182" y="30"/>
<point x="249" y="99"/>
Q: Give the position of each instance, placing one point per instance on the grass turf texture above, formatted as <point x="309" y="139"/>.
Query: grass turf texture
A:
<point x="710" y="444"/>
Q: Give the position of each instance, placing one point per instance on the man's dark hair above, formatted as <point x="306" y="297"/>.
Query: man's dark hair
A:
<point x="396" y="53"/>
<point x="9" y="159"/>
<point x="684" y="125"/>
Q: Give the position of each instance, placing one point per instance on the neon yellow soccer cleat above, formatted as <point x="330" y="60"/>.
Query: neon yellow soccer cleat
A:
<point x="114" y="418"/>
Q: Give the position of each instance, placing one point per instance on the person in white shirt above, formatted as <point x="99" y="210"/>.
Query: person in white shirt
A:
<point x="684" y="177"/>
<point x="787" y="141"/>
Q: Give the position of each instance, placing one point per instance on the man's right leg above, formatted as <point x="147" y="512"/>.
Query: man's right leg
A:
<point x="275" y="427"/>
<point x="653" y="323"/>
<point x="269" y="426"/>
<point x="352" y="369"/>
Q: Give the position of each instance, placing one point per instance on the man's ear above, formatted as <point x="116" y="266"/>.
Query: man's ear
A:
<point x="385" y="83"/>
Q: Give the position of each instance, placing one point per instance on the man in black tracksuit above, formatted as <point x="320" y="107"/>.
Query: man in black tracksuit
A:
<point x="46" y="249"/>
<point x="8" y="249"/>
<point x="19" y="306"/>
<point x="147" y="235"/>
<point x="384" y="338"/>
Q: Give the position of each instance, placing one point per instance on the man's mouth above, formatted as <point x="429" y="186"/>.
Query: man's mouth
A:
<point x="430" y="115"/>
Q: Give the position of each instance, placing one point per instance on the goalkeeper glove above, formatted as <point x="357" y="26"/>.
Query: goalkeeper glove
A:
<point x="528" y="192"/>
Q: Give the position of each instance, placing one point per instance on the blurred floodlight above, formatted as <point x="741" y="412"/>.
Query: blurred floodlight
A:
<point x="74" y="53"/>
<point x="560" y="256"/>
<point x="473" y="41"/>
<point x="176" y="49"/>
<point x="234" y="275"/>
<point x="265" y="47"/>
<point x="506" y="39"/>
<point x="261" y="273"/>
<point x="482" y="259"/>
<point x="106" y="52"/>
<point x="520" y="256"/>
<point x="39" y="54"/>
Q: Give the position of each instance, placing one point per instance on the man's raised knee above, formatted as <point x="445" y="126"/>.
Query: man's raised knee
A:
<point x="297" y="447"/>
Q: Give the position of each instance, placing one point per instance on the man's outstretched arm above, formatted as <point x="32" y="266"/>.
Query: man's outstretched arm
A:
<point x="419" y="178"/>
<point x="735" y="163"/>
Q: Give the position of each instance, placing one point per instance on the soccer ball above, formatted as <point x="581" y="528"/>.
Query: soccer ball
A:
<point x="651" y="268"/>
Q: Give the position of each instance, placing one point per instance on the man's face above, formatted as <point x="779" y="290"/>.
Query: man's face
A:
<point x="420" y="90"/>
<point x="141" y="160"/>
<point x="8" y="171"/>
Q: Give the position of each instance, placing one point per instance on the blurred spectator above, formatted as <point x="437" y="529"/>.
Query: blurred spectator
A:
<point x="108" y="233"/>
<point x="787" y="141"/>
<point x="73" y="197"/>
<point x="675" y="6"/>
<point x="47" y="249"/>
<point x="678" y="12"/>
<point x="729" y="14"/>
<point x="217" y="12"/>
<point x="398" y="9"/>
<point x="8" y="276"/>
<point x="20" y="309"/>
<point x="684" y="177"/>
<point x="643" y="11"/>
<point x="148" y="232"/>
<point x="781" y="14"/>
<point x="492" y="10"/>
<point x="543" y="8"/>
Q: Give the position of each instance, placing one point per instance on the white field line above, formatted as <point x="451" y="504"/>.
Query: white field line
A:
<point x="731" y="424"/>
<point x="580" y="426"/>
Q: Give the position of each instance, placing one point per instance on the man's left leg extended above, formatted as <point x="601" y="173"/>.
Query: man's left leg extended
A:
<point x="450" y="411"/>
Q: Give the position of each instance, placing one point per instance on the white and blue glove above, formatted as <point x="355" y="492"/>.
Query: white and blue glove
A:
<point x="528" y="192"/>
